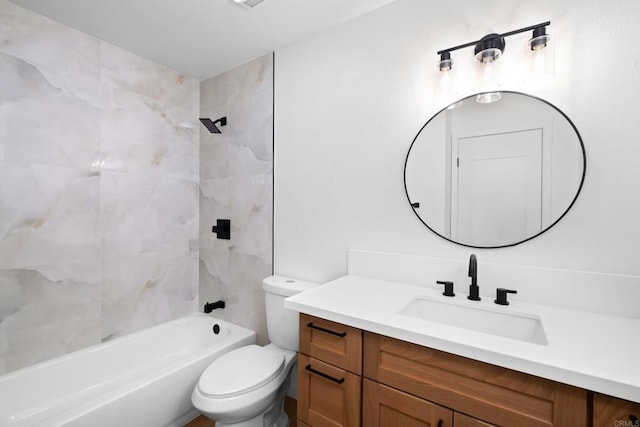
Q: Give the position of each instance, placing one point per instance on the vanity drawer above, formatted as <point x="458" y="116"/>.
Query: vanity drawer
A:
<point x="491" y="393"/>
<point x="327" y="395"/>
<point x="331" y="342"/>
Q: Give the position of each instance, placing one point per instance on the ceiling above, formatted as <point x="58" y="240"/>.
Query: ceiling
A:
<point x="201" y="38"/>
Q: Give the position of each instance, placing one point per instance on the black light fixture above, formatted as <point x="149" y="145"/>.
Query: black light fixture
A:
<point x="490" y="47"/>
<point x="445" y="61"/>
<point x="540" y="39"/>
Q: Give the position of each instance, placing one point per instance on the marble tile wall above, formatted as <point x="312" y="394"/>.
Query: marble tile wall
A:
<point x="98" y="191"/>
<point x="236" y="182"/>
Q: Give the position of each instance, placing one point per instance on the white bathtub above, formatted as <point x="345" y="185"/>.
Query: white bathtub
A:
<point x="142" y="379"/>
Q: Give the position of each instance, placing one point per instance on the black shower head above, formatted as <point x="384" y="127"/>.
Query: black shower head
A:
<point x="211" y="126"/>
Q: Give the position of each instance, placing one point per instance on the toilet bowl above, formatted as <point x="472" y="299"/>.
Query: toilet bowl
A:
<point x="246" y="387"/>
<point x="243" y="384"/>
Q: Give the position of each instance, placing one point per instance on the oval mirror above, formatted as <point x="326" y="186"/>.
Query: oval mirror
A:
<point x="494" y="169"/>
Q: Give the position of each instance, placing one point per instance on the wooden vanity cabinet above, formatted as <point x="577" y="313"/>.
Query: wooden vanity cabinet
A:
<point x="347" y="377"/>
<point x="613" y="412"/>
<point x="385" y="406"/>
<point x="329" y="373"/>
<point x="486" y="392"/>
<point x="462" y="420"/>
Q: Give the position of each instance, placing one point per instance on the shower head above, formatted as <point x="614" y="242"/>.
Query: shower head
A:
<point x="211" y="126"/>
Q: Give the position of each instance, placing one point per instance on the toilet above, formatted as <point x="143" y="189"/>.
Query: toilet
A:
<point x="247" y="386"/>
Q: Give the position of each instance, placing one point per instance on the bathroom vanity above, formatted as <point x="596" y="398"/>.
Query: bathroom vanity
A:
<point x="367" y="357"/>
<point x="351" y="377"/>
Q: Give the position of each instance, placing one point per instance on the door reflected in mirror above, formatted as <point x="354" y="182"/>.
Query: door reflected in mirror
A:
<point x="495" y="175"/>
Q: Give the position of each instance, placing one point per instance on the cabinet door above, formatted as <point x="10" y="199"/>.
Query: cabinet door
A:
<point x="327" y="395"/>
<point x="385" y="406"/>
<point x="497" y="395"/>
<point x="331" y="342"/>
<point x="612" y="412"/>
<point x="462" y="420"/>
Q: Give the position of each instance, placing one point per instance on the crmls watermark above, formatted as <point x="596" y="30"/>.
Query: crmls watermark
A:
<point x="626" y="423"/>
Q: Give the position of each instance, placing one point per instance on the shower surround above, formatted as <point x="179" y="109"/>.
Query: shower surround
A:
<point x="98" y="190"/>
<point x="236" y="182"/>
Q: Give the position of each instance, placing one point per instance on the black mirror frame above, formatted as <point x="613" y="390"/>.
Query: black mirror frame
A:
<point x="584" y="171"/>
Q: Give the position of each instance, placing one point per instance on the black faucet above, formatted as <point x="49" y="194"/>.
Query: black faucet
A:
<point x="473" y="273"/>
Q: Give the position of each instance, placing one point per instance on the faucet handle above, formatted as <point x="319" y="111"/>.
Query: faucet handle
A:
<point x="501" y="295"/>
<point x="448" y="288"/>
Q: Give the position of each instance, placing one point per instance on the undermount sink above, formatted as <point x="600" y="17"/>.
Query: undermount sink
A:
<point x="515" y="325"/>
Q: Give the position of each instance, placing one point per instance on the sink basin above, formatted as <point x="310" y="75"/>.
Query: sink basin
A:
<point x="515" y="325"/>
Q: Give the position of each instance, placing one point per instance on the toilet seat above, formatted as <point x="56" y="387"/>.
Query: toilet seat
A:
<point x="241" y="371"/>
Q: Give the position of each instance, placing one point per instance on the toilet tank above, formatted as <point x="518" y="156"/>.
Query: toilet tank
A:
<point x="282" y="323"/>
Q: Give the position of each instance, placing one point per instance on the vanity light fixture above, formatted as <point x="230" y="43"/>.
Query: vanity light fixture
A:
<point x="445" y="61"/>
<point x="540" y="39"/>
<point x="490" y="47"/>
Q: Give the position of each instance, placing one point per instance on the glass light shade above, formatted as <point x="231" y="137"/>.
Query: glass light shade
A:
<point x="539" y="43"/>
<point x="445" y="64"/>
<point x="488" y="55"/>
<point x="539" y="55"/>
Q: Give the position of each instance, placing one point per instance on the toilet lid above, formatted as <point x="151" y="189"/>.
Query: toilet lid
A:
<point x="240" y="371"/>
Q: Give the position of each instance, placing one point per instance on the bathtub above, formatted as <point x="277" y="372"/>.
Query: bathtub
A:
<point x="142" y="379"/>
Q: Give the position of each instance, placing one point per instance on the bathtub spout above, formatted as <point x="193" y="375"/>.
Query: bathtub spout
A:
<point x="210" y="306"/>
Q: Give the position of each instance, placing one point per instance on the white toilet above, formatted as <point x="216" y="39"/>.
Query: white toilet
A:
<point x="247" y="386"/>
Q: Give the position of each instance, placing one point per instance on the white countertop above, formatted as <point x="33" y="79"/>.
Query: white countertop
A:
<point x="597" y="352"/>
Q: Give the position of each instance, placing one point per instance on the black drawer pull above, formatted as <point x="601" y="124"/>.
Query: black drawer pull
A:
<point x="633" y="419"/>
<point x="323" y="375"/>
<point x="440" y="422"/>
<point x="338" y="334"/>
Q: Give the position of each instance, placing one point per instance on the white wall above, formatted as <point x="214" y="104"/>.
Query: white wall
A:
<point x="350" y="101"/>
